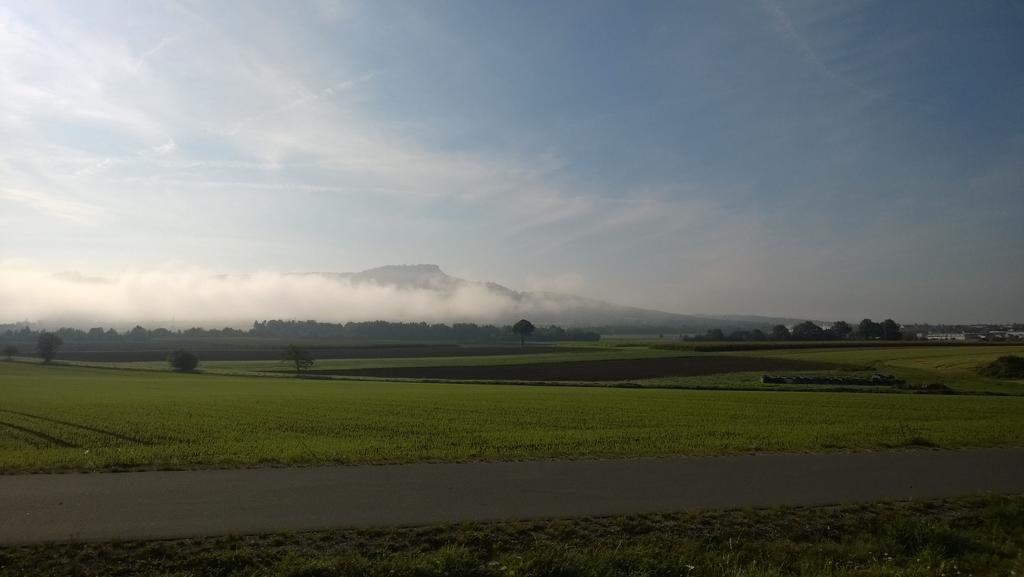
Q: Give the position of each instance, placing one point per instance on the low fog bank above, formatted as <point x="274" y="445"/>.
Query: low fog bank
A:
<point x="180" y="297"/>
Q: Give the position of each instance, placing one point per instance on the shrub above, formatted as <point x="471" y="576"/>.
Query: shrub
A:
<point x="1005" y="367"/>
<point x="182" y="360"/>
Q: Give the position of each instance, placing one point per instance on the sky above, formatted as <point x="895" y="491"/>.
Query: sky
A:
<point x="809" y="159"/>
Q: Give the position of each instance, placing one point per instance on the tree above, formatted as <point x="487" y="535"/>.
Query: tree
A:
<point x="868" y="329"/>
<point x="10" y="351"/>
<point x="523" y="328"/>
<point x="841" y="329"/>
<point x="182" y="360"/>
<point x="780" y="333"/>
<point x="808" y="331"/>
<point x="714" y="335"/>
<point x="891" y="330"/>
<point x="298" y="356"/>
<point x="47" y="345"/>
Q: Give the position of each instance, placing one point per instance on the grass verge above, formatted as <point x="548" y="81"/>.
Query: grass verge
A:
<point x="967" y="536"/>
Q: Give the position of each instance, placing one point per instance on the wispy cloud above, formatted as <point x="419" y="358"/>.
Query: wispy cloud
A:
<point x="379" y="135"/>
<point x="785" y="25"/>
<point x="53" y="205"/>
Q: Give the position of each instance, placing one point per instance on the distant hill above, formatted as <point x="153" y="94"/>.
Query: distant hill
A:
<point x="409" y="293"/>
<point x="548" y="307"/>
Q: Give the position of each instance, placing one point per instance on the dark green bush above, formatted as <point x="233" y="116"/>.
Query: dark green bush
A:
<point x="182" y="360"/>
<point x="1005" y="367"/>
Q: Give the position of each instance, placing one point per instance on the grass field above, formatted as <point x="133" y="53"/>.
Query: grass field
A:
<point x="158" y="352"/>
<point x="951" y="365"/>
<point x="366" y="360"/>
<point x="954" y="365"/>
<point x="74" y="418"/>
<point x="970" y="536"/>
<point x="593" y="370"/>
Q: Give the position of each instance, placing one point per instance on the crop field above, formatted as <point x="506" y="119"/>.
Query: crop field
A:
<point x="128" y="355"/>
<point x="954" y="365"/>
<point x="77" y="418"/>
<point x="939" y="358"/>
<point x="364" y="359"/>
<point x="593" y="370"/>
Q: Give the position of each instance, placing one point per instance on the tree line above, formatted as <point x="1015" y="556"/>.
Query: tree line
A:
<point x="184" y="360"/>
<point x="290" y="329"/>
<point x="867" y="329"/>
<point x="180" y="360"/>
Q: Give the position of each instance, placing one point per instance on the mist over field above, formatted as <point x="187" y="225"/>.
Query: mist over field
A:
<point x="166" y="295"/>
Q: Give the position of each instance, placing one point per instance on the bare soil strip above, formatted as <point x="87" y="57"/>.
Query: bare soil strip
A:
<point x="168" y="504"/>
<point x="596" y="370"/>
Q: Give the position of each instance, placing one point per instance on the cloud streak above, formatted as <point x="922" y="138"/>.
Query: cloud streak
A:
<point x="79" y="212"/>
<point x="784" y="23"/>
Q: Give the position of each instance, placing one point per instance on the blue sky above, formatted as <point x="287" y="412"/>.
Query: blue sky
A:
<point x="813" y="159"/>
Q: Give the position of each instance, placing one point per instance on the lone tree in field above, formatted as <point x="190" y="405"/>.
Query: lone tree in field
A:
<point x="182" y="360"/>
<point x="523" y="328"/>
<point x="47" y="345"/>
<point x="298" y="356"/>
<point x="10" y="351"/>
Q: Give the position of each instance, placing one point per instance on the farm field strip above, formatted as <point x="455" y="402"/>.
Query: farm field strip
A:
<point x="933" y="357"/>
<point x="276" y="366"/>
<point x="955" y="366"/>
<point x="153" y="352"/>
<point x="73" y="418"/>
<point x="591" y="370"/>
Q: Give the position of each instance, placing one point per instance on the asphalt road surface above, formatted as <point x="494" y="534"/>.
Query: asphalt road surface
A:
<point x="166" y="504"/>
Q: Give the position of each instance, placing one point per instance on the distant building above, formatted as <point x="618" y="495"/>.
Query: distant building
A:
<point x="1005" y="336"/>
<point x="946" y="336"/>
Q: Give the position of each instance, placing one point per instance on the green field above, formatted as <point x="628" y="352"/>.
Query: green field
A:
<point x="272" y="367"/>
<point x="955" y="366"/>
<point x="952" y="365"/>
<point x="75" y="418"/>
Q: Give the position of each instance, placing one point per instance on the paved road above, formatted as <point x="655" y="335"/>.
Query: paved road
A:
<point x="164" y="504"/>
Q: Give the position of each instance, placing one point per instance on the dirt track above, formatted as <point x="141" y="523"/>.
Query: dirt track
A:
<point x="597" y="370"/>
<point x="166" y="504"/>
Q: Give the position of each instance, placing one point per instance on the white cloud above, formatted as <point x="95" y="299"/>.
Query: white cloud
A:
<point x="187" y="295"/>
<point x="165" y="148"/>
